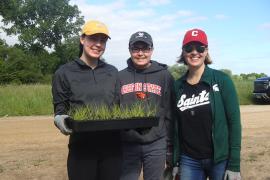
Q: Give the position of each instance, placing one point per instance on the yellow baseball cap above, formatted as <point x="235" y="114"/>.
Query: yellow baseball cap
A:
<point x="95" y="27"/>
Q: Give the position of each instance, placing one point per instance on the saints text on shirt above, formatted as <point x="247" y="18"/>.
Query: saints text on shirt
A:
<point x="188" y="103"/>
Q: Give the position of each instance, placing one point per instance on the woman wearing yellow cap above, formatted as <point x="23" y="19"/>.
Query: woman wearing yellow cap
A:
<point x="208" y="137"/>
<point x="88" y="81"/>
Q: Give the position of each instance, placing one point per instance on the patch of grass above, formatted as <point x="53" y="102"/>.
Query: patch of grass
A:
<point x="261" y="153"/>
<point x="92" y="112"/>
<point x="18" y="100"/>
<point x="1" y="169"/>
<point x="36" y="99"/>
<point x="252" y="157"/>
<point x="38" y="162"/>
<point x="244" y="90"/>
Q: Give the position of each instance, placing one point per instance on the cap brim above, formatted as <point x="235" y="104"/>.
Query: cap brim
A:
<point x="90" y="34"/>
<point x="194" y="41"/>
<point x="140" y="40"/>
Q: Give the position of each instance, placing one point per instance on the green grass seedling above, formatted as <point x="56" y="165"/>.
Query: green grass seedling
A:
<point x="103" y="112"/>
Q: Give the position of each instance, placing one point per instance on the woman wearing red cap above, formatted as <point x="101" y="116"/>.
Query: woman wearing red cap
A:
<point x="88" y="81"/>
<point x="208" y="128"/>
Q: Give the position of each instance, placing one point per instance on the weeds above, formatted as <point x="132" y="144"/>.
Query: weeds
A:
<point x="244" y="90"/>
<point x="38" y="162"/>
<point x="252" y="157"/>
<point x="1" y="169"/>
<point x="18" y="100"/>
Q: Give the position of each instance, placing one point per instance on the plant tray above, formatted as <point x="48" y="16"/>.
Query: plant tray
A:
<point x="113" y="124"/>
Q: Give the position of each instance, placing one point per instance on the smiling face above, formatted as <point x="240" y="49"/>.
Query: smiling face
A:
<point x="93" y="46"/>
<point x="141" y="54"/>
<point x="195" y="54"/>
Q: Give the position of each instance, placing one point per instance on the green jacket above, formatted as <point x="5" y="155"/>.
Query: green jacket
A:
<point x="226" y="126"/>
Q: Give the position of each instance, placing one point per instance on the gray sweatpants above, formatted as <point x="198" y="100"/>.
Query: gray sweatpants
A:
<point x="151" y="157"/>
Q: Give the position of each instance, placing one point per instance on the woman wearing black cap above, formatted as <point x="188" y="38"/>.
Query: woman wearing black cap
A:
<point x="88" y="80"/>
<point x="150" y="83"/>
<point x="208" y="137"/>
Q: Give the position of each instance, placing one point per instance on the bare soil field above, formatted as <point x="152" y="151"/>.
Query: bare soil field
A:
<point x="31" y="148"/>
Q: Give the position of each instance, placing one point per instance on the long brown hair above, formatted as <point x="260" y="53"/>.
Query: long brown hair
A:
<point x="81" y="46"/>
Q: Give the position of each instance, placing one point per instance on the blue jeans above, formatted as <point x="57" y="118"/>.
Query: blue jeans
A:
<point x="194" y="169"/>
<point x="151" y="157"/>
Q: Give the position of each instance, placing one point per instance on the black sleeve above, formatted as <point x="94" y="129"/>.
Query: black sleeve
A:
<point x="169" y="99"/>
<point x="60" y="93"/>
<point x="117" y="91"/>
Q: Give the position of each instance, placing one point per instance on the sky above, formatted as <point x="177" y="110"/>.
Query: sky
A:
<point x="238" y="30"/>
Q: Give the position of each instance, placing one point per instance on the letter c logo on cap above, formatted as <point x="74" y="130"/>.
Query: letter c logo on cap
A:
<point x="194" y="33"/>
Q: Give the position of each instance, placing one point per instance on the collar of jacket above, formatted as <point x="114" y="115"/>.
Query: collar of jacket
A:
<point x="154" y="67"/>
<point x="83" y="64"/>
<point x="206" y="76"/>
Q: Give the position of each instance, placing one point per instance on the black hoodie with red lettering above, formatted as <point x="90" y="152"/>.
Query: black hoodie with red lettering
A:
<point x="153" y="86"/>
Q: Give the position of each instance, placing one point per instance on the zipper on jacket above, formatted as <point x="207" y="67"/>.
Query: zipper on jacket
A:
<point x="93" y="73"/>
<point x="212" y="102"/>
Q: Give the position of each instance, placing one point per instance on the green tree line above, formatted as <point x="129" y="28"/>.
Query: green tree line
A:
<point x="48" y="36"/>
<point x="47" y="32"/>
<point x="178" y="70"/>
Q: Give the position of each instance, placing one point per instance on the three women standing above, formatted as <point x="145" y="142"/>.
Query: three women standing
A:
<point x="208" y="128"/>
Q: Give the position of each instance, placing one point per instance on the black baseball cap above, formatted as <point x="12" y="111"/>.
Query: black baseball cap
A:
<point x="141" y="36"/>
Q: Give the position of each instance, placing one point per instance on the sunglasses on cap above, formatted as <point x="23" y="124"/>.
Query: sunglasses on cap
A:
<point x="190" y="47"/>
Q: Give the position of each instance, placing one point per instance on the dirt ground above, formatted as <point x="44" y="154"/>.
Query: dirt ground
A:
<point x="31" y="148"/>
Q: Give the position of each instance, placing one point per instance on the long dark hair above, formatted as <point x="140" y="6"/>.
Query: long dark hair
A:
<point x="81" y="46"/>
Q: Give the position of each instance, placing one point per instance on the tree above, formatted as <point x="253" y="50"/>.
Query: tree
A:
<point x="40" y="23"/>
<point x="68" y="50"/>
<point x="252" y="76"/>
<point x="227" y="71"/>
<point x="177" y="70"/>
<point x="3" y="43"/>
<point x="16" y="66"/>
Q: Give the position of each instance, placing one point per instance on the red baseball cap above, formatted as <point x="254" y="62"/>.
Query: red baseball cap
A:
<point x="195" y="35"/>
